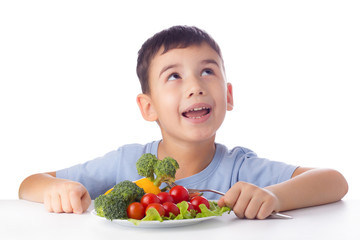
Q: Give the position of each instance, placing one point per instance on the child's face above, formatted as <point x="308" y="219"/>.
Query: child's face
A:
<point x="189" y="95"/>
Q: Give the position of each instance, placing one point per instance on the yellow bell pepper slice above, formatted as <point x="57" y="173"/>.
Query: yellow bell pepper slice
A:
<point x="108" y="191"/>
<point x="145" y="184"/>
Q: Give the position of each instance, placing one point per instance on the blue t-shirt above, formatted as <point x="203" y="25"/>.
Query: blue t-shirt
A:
<point x="226" y="168"/>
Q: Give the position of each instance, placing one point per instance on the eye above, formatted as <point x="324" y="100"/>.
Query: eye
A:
<point x="173" y="77"/>
<point x="207" y="71"/>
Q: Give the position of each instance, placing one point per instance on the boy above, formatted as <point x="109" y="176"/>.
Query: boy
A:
<point x="182" y="77"/>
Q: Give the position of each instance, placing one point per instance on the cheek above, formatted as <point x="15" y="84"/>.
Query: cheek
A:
<point x="221" y="104"/>
<point x="167" y="113"/>
<point x="220" y="96"/>
<point x="167" y="104"/>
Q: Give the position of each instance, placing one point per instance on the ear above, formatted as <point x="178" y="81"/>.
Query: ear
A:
<point x="146" y="108"/>
<point x="229" y="97"/>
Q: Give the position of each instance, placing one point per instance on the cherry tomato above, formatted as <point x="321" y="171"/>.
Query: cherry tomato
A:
<point x="196" y="201"/>
<point x="136" y="211"/>
<point x="190" y="207"/>
<point x="179" y="194"/>
<point x="149" y="198"/>
<point x="170" y="207"/>
<point x="165" y="197"/>
<point x="158" y="207"/>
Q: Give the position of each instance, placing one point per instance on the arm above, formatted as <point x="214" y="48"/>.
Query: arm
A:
<point x="310" y="187"/>
<point x="58" y="195"/>
<point x="307" y="187"/>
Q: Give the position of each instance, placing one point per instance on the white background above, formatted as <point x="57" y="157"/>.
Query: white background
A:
<point x="68" y="83"/>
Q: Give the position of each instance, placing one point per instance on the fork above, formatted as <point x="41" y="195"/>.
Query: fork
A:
<point x="193" y="190"/>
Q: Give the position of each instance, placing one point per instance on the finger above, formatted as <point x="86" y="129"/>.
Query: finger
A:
<point x="232" y="195"/>
<point x="265" y="210"/>
<point x="56" y="203"/>
<point x="241" y="204"/>
<point x="221" y="202"/>
<point x="47" y="203"/>
<point x="85" y="201"/>
<point x="65" y="202"/>
<point x="253" y="208"/>
<point x="75" y="199"/>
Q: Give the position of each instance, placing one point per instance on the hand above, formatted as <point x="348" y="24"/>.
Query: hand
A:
<point x="66" y="196"/>
<point x="250" y="201"/>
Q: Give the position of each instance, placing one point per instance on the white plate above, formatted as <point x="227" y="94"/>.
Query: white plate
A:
<point x="156" y="224"/>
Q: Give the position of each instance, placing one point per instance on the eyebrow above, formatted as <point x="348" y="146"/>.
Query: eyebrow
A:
<point x="164" y="69"/>
<point x="210" y="61"/>
<point x="206" y="61"/>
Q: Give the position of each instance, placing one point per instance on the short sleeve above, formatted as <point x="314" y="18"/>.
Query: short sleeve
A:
<point x="96" y="175"/>
<point x="263" y="172"/>
<point x="103" y="173"/>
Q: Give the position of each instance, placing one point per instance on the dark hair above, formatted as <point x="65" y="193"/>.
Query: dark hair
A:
<point x="174" y="37"/>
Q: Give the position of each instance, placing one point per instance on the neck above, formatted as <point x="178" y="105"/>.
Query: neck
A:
<point x="192" y="157"/>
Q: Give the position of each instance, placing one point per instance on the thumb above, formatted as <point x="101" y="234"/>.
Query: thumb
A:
<point x="221" y="202"/>
<point x="85" y="201"/>
<point x="80" y="199"/>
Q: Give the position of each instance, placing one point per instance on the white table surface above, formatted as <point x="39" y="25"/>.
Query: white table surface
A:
<point x="24" y="220"/>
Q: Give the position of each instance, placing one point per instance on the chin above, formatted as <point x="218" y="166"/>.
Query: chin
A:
<point x="201" y="137"/>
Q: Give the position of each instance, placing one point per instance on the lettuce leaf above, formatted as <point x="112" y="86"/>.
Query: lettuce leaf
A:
<point x="153" y="215"/>
<point x="184" y="213"/>
<point x="217" y="211"/>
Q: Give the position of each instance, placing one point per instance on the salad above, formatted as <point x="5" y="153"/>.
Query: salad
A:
<point x="163" y="207"/>
<point x="143" y="200"/>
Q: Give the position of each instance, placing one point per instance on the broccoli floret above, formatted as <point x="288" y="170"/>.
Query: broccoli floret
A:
<point x="114" y="205"/>
<point x="111" y="206"/>
<point x="165" y="171"/>
<point x="99" y="203"/>
<point x="145" y="165"/>
<point x="128" y="191"/>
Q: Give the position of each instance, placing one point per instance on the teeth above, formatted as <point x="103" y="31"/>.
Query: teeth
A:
<point x="198" y="109"/>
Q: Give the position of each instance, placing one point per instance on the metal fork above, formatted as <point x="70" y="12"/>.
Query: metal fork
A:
<point x="192" y="190"/>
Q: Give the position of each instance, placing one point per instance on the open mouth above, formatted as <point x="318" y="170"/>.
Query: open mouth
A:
<point x="197" y="112"/>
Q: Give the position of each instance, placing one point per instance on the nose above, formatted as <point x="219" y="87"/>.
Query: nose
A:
<point x="195" y="88"/>
<point x="199" y="92"/>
